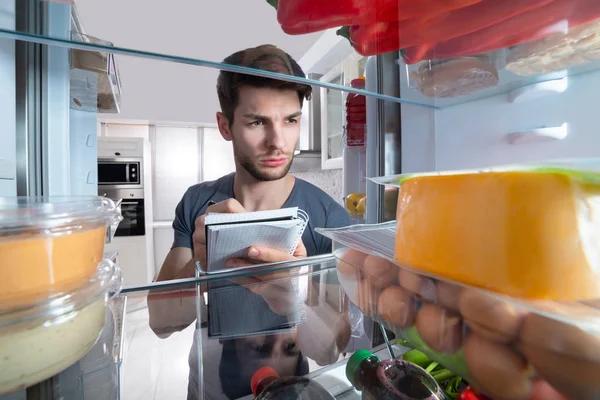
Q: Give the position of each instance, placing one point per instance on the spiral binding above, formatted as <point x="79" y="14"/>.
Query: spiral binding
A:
<point x="301" y="214"/>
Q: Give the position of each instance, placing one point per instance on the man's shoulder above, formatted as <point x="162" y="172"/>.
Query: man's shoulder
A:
<point x="321" y="206"/>
<point x="315" y="194"/>
<point x="210" y="188"/>
<point x="197" y="196"/>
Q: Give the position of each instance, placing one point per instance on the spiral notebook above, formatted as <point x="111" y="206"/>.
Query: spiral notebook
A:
<point x="230" y="235"/>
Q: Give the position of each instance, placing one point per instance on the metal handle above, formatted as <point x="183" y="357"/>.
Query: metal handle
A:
<point x="130" y="203"/>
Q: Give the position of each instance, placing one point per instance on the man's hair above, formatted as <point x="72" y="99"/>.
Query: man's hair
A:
<point x="229" y="83"/>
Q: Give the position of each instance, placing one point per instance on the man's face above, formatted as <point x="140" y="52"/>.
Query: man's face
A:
<point x="265" y="131"/>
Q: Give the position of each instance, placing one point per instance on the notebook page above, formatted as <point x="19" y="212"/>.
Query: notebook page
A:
<point x="220" y="218"/>
<point x="229" y="241"/>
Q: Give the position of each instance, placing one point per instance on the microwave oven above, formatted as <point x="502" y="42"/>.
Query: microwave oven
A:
<point x="121" y="173"/>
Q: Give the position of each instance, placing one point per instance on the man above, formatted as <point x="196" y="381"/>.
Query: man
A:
<point x="261" y="117"/>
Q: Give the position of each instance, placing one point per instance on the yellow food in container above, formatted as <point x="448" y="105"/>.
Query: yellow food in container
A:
<point x="40" y="340"/>
<point x="50" y="244"/>
<point x="524" y="233"/>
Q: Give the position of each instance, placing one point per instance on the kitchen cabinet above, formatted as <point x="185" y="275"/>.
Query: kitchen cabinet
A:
<point x="177" y="165"/>
<point x="121" y="147"/>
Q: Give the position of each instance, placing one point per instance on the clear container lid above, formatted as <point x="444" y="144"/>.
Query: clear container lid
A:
<point x="20" y="214"/>
<point x="107" y="282"/>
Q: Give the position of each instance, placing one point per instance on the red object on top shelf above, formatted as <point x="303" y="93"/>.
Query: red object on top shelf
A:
<point x="524" y="27"/>
<point x="298" y="17"/>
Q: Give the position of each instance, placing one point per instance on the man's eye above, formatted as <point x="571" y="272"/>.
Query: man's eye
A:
<point x="256" y="123"/>
<point x="292" y="120"/>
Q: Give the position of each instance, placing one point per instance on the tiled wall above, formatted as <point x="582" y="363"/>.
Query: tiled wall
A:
<point x="331" y="181"/>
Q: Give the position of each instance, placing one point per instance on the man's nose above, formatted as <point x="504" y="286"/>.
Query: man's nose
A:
<point x="276" y="136"/>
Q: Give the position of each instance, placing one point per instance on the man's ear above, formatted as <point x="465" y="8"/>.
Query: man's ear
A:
<point x="224" y="128"/>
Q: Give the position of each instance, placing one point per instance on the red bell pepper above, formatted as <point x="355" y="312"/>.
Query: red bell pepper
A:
<point x="471" y="394"/>
<point x="431" y="28"/>
<point x="522" y="28"/>
<point x="298" y="17"/>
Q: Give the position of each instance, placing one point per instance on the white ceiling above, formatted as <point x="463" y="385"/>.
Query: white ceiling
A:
<point x="210" y="30"/>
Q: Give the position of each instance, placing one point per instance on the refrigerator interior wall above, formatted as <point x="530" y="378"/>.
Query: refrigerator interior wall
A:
<point x="56" y="143"/>
<point x="8" y="185"/>
<point x="83" y="153"/>
<point x="476" y="134"/>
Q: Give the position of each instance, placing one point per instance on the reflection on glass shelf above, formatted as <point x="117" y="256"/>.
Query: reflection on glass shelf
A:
<point x="52" y="41"/>
<point x="456" y="52"/>
<point x="418" y="81"/>
<point x="479" y="78"/>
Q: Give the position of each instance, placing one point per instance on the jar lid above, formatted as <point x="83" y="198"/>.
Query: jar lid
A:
<point x="260" y="375"/>
<point x="19" y="214"/>
<point x="354" y="363"/>
<point x="106" y="282"/>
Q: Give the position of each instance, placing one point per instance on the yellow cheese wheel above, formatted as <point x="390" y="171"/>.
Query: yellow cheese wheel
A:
<point x="521" y="233"/>
<point x="33" y="266"/>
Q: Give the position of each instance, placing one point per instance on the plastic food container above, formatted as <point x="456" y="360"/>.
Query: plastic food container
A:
<point x="500" y="320"/>
<point x="556" y="52"/>
<point x="453" y="78"/>
<point x="39" y="340"/>
<point x="50" y="244"/>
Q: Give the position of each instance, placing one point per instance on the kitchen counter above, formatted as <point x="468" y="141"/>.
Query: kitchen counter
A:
<point x="204" y="338"/>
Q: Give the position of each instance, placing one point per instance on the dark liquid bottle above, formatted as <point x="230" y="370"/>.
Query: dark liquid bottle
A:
<point x="390" y="379"/>
<point x="266" y="384"/>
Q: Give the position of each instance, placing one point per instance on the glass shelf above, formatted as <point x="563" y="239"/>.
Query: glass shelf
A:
<point x="464" y="76"/>
<point x="188" y="337"/>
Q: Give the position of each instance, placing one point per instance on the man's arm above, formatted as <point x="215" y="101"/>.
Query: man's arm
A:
<point x="178" y="264"/>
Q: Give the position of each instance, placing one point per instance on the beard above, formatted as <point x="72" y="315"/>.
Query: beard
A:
<point x="262" y="174"/>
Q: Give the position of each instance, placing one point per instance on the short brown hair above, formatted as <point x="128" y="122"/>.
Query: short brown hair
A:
<point x="267" y="58"/>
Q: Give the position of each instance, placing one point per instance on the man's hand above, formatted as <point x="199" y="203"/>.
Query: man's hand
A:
<point x="276" y="287"/>
<point x="263" y="254"/>
<point x="199" y="236"/>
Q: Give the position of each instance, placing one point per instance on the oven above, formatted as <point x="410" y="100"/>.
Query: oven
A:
<point x="132" y="210"/>
<point x="125" y="173"/>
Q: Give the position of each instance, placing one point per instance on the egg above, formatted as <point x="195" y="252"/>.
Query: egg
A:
<point x="379" y="271"/>
<point x="440" y="329"/>
<point x="350" y="264"/>
<point x="396" y="307"/>
<point x="565" y="355"/>
<point x="492" y="318"/>
<point x="419" y="284"/>
<point x="497" y="369"/>
<point x="366" y="297"/>
<point x="448" y="295"/>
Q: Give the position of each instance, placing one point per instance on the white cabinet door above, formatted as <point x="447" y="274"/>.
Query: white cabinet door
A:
<point x="116" y="146"/>
<point x="177" y="165"/>
<point x="218" y="155"/>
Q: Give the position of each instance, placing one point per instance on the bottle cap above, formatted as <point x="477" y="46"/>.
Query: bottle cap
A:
<point x="358" y="83"/>
<point x="354" y="363"/>
<point x="260" y="375"/>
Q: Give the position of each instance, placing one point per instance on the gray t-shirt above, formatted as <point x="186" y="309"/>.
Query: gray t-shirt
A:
<point x="323" y="211"/>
